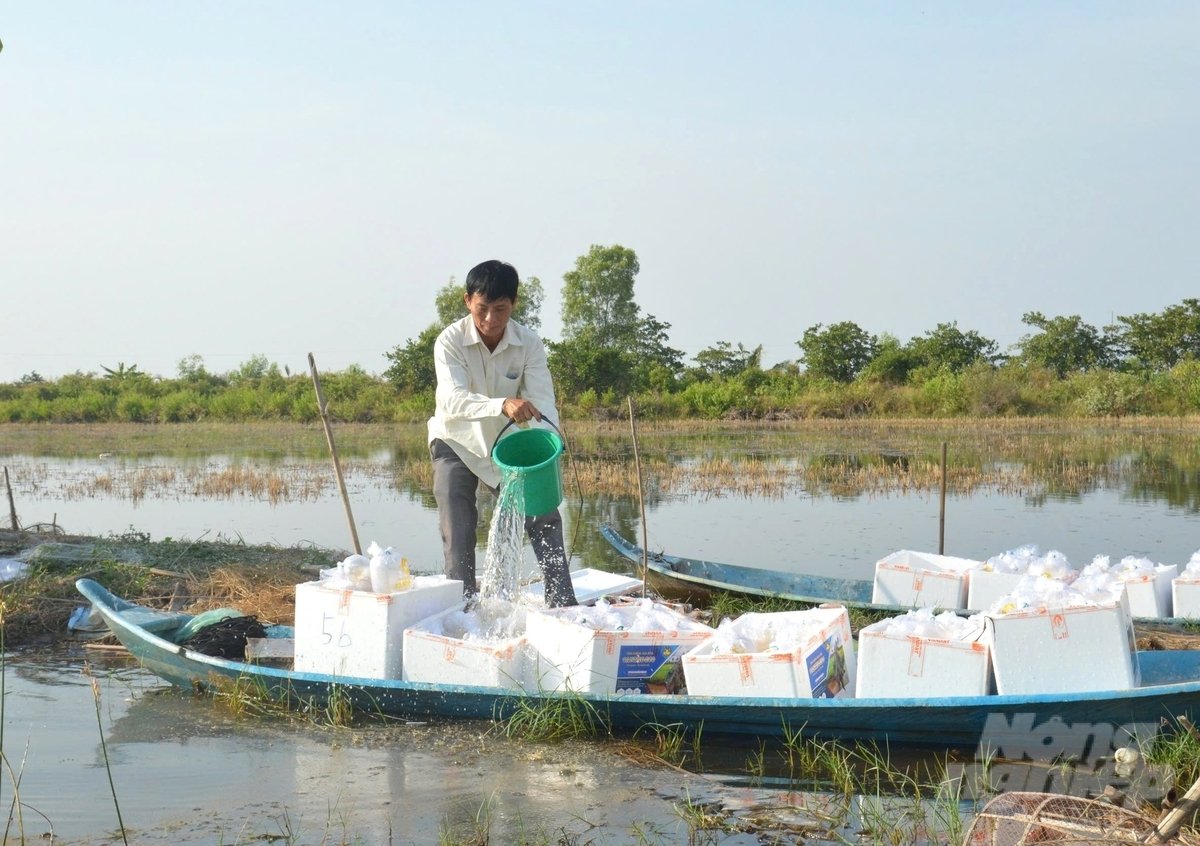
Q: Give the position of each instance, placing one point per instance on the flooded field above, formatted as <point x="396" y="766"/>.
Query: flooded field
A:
<point x="827" y="498"/>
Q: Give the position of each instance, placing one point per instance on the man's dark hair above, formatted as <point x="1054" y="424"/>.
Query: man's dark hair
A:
<point x="493" y="280"/>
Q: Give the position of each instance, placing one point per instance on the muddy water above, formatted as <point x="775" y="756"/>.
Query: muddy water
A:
<point x="187" y="771"/>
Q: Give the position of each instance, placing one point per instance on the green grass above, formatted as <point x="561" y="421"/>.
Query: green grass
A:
<point x="554" y="718"/>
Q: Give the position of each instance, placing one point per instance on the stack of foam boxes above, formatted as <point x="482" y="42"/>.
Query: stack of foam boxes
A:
<point x="359" y="634"/>
<point x="1150" y="592"/>
<point x="806" y="654"/>
<point x="1185" y="594"/>
<point x="611" y="649"/>
<point x="1065" y="649"/>
<point x="986" y="587"/>
<point x="922" y="580"/>
<point x="896" y="660"/>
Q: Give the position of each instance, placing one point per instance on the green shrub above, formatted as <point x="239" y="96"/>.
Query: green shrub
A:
<point x="1105" y="393"/>
<point x="135" y="408"/>
<point x="181" y="406"/>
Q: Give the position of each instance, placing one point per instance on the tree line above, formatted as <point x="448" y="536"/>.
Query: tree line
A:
<point x="1147" y="363"/>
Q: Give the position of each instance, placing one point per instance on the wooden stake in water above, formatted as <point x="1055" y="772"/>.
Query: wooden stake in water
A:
<point x="637" y="463"/>
<point x="942" y="508"/>
<point x="337" y="467"/>
<point x="12" y="507"/>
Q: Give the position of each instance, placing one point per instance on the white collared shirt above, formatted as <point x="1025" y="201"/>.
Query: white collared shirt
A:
<point x="473" y="382"/>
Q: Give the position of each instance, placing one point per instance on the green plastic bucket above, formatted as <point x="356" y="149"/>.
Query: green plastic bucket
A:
<point x="534" y="455"/>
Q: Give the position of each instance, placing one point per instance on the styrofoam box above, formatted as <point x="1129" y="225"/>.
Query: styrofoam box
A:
<point x="590" y="584"/>
<point x="984" y="587"/>
<point x="1150" y="594"/>
<point x="822" y="667"/>
<point x="922" y="580"/>
<point x="1185" y="595"/>
<point x="892" y="666"/>
<point x="574" y="656"/>
<point x="430" y="655"/>
<point x="359" y="633"/>
<point x="1065" y="650"/>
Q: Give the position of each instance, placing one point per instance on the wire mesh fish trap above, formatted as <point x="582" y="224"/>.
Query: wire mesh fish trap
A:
<point x="1016" y="819"/>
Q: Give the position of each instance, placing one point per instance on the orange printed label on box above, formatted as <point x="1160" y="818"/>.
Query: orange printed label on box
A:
<point x="745" y="670"/>
<point x="1058" y="626"/>
<point x="918" y="580"/>
<point x="916" y="657"/>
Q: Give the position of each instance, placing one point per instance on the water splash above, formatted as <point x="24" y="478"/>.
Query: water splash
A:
<point x="505" y="548"/>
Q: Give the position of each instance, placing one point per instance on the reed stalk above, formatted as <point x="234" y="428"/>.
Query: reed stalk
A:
<point x="104" y="750"/>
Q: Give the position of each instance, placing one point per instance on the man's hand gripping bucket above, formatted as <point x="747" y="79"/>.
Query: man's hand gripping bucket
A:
<point x="534" y="455"/>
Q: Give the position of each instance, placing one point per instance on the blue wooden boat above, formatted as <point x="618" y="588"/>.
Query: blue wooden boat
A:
<point x="696" y="580"/>
<point x="1039" y="725"/>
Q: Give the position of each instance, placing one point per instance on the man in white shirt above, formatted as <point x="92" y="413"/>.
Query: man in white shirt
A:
<point x="489" y="368"/>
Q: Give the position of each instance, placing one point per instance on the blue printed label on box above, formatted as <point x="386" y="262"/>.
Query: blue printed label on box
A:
<point x="646" y="668"/>
<point x="827" y="671"/>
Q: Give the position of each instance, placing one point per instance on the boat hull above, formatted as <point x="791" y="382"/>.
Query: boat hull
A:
<point x="1048" y="724"/>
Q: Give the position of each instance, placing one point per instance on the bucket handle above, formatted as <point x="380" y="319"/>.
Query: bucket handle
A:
<point x="500" y="434"/>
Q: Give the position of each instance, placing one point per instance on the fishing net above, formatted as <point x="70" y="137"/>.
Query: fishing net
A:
<point x="225" y="638"/>
<point x="1015" y="819"/>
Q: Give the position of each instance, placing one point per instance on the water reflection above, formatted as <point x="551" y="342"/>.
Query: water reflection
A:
<point x="828" y="499"/>
<point x="187" y="770"/>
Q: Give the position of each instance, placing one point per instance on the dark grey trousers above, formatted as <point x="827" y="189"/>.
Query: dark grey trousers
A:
<point x="454" y="488"/>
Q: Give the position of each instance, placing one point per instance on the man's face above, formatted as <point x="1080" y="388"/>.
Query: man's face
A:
<point x="490" y="316"/>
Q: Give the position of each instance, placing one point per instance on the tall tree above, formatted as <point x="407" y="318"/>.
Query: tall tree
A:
<point x="948" y="347"/>
<point x="598" y="299"/>
<point x="893" y="361"/>
<point x="1160" y="341"/>
<point x="837" y="352"/>
<point x="411" y="367"/>
<point x="527" y="312"/>
<point x="721" y="359"/>
<point x="1064" y="344"/>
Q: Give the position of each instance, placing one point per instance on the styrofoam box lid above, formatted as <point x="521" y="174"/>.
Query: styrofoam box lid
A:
<point x="907" y="559"/>
<point x="590" y="584"/>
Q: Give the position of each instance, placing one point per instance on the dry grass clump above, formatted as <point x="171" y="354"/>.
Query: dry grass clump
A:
<point x="172" y="575"/>
<point x="268" y="593"/>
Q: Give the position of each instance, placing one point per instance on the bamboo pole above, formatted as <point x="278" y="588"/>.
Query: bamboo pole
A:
<point x="1173" y="819"/>
<point x="337" y="467"/>
<point x="637" y="463"/>
<point x="12" y="506"/>
<point x="942" y="507"/>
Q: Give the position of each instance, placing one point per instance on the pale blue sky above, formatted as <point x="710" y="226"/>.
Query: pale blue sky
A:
<point x="229" y="179"/>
